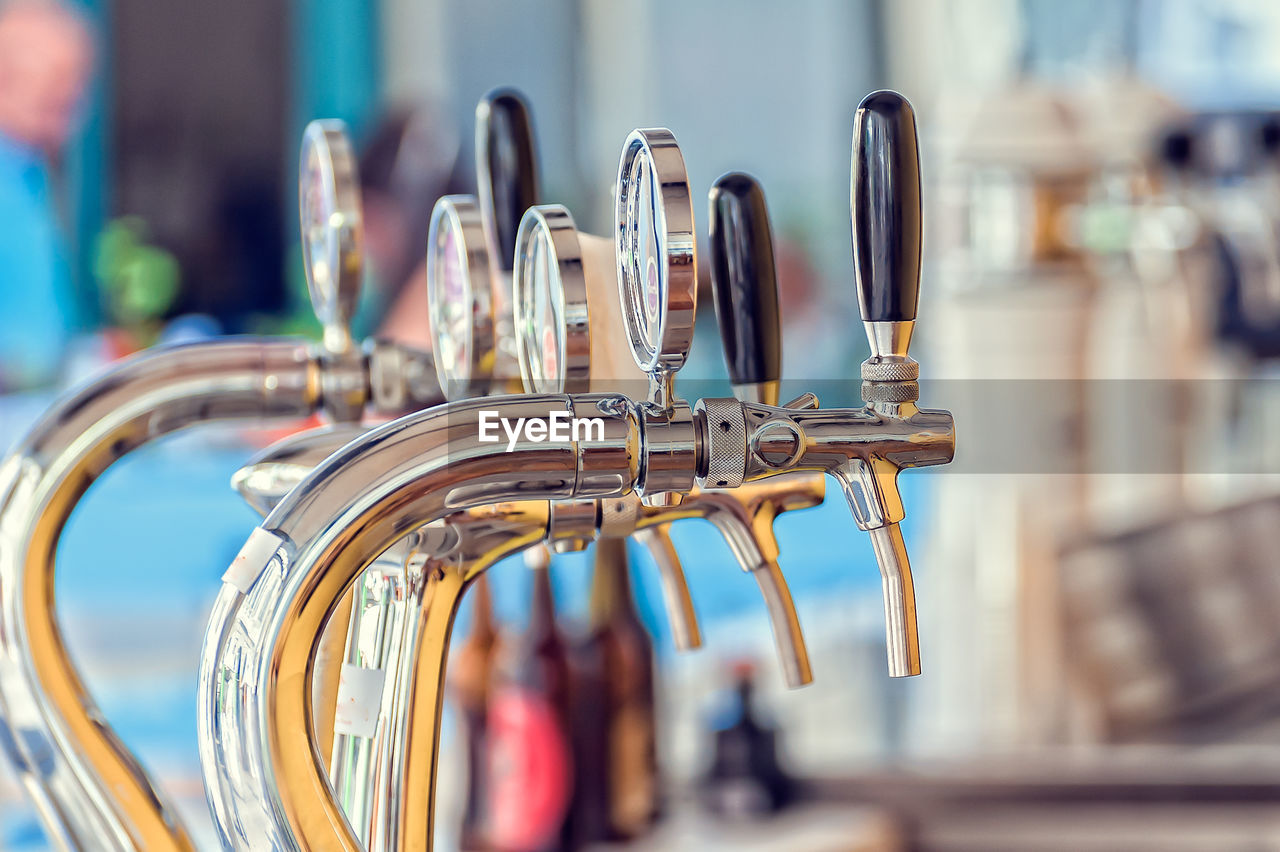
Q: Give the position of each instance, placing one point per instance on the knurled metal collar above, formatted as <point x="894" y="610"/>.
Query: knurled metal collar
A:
<point x="726" y="442"/>
<point x="890" y="391"/>
<point x="890" y="369"/>
<point x="618" y="516"/>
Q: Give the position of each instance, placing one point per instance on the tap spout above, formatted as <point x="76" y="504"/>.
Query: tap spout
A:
<point x="902" y="637"/>
<point x="90" y="792"/>
<point x="685" y="633"/>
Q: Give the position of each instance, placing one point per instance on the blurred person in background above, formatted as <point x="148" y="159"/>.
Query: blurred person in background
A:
<point x="46" y="55"/>
<point x="412" y="159"/>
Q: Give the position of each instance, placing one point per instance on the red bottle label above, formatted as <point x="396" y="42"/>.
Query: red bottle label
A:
<point x="530" y="771"/>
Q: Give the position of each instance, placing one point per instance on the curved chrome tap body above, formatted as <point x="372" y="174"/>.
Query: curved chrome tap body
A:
<point x="262" y="767"/>
<point x="366" y="770"/>
<point x="90" y="793"/>
<point x="264" y="771"/>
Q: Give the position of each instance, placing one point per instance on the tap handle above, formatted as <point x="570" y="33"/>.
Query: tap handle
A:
<point x="885" y="206"/>
<point x="507" y="169"/>
<point x="744" y="283"/>
<point x="332" y="227"/>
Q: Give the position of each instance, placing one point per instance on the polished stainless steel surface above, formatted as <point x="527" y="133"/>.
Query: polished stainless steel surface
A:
<point x="90" y="793"/>
<point x="461" y="298"/>
<point x="332" y="227"/>
<point x="656" y="250"/>
<point x="269" y="789"/>
<point x="885" y="209"/>
<point x="267" y="477"/>
<point x="899" y="600"/>
<point x="401" y="379"/>
<point x="431" y="472"/>
<point x="764" y="392"/>
<point x="682" y="617"/>
<point x="552" y="329"/>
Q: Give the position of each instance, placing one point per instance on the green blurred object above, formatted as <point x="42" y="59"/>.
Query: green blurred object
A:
<point x="139" y="282"/>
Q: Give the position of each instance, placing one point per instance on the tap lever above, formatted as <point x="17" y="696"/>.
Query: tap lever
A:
<point x="745" y="286"/>
<point x="507" y="169"/>
<point x="885" y="202"/>
<point x="806" y="401"/>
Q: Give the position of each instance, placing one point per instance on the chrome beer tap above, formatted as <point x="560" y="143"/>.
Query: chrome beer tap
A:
<point x="556" y="351"/>
<point x="256" y="716"/>
<point x="473" y="249"/>
<point x="89" y="791"/>
<point x="553" y="264"/>
<point x="887" y="236"/>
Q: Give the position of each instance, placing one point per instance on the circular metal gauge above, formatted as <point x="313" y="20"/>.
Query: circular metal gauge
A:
<point x="332" y="227"/>
<point x="657" y="264"/>
<point x="460" y="297"/>
<point x="553" y="340"/>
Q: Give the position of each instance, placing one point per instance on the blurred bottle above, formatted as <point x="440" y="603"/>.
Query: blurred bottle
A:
<point x="746" y="779"/>
<point x="589" y="819"/>
<point x="529" y="777"/>
<point x="626" y="649"/>
<point x="472" y="675"/>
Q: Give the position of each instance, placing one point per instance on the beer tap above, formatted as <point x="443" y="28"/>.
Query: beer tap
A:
<point x="89" y="791"/>
<point x="470" y="266"/>
<point x="556" y="351"/>
<point x="887" y="236"/>
<point x="459" y="266"/>
<point x="256" y="716"/>
<point x="552" y="262"/>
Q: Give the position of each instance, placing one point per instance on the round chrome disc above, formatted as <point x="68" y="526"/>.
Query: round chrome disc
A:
<point x="655" y="247"/>
<point x="550" y="302"/>
<point x="460" y="298"/>
<point x="332" y="226"/>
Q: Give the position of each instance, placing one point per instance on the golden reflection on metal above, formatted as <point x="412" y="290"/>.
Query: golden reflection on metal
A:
<point x="488" y="534"/>
<point x="140" y="401"/>
<point x="333" y="649"/>
<point x="139" y="807"/>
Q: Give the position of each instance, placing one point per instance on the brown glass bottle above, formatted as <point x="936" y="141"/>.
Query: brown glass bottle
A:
<point x="530" y="767"/>
<point x="471" y="674"/>
<point x="625" y="649"/>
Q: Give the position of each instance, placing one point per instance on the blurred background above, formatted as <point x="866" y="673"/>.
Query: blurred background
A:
<point x="1098" y="594"/>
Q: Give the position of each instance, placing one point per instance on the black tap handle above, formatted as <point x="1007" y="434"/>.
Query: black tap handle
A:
<point x="507" y="167"/>
<point x="744" y="280"/>
<point x="885" y="204"/>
